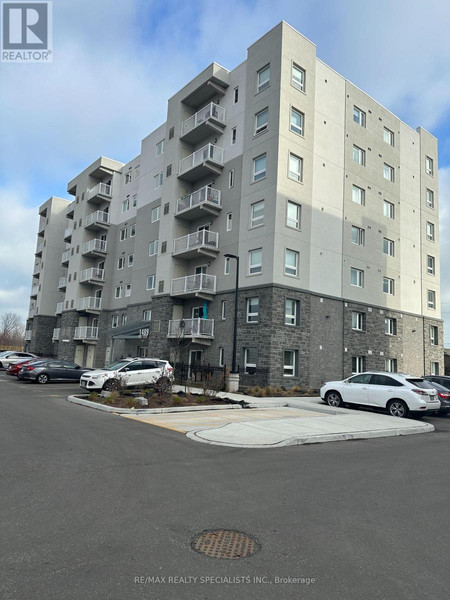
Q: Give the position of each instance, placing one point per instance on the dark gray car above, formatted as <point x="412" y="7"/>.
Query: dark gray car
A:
<point x="44" y="371"/>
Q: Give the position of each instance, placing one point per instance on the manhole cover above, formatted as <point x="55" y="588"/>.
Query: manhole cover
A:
<point x="225" y="543"/>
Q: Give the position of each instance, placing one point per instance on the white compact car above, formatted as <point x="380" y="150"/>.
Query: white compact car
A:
<point x="129" y="372"/>
<point x="9" y="357"/>
<point x="399" y="394"/>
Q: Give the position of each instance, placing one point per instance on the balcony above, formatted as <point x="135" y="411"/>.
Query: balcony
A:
<point x="62" y="283"/>
<point x="92" y="276"/>
<point x="213" y="82"/>
<point x="195" y="205"/>
<point x="199" y="286"/>
<point x="68" y="233"/>
<point x="41" y="227"/>
<point x="28" y="333"/>
<point x="87" y="334"/>
<point x="59" y="308"/>
<point x="70" y="209"/>
<point x="39" y="248"/>
<point x="89" y="304"/>
<point x="201" y="331"/>
<point x="97" y="220"/>
<point x="34" y="290"/>
<point x="99" y="193"/>
<point x="210" y="120"/>
<point x="201" y="242"/>
<point x="65" y="257"/>
<point x="31" y="312"/>
<point x="56" y="334"/>
<point x="37" y="270"/>
<point x="206" y="161"/>
<point x="94" y="247"/>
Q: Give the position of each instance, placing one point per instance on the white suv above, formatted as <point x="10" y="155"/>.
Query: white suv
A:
<point x="129" y="372"/>
<point x="399" y="394"/>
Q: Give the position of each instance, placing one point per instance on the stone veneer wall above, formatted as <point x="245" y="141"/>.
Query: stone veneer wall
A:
<point x="41" y="342"/>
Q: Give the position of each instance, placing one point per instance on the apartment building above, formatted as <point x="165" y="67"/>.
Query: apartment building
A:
<point x="329" y="200"/>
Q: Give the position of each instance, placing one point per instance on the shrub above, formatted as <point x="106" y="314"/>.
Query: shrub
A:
<point x="132" y="402"/>
<point x="296" y="389"/>
<point x="93" y="397"/>
<point x="177" y="401"/>
<point x="268" y="391"/>
<point x="200" y="399"/>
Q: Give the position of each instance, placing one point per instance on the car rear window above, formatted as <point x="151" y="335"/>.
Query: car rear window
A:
<point x="421" y="383"/>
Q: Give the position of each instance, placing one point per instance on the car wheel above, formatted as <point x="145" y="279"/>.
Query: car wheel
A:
<point x="333" y="399"/>
<point x="1" y="365"/>
<point x="42" y="378"/>
<point x="110" y="385"/>
<point x="398" y="408"/>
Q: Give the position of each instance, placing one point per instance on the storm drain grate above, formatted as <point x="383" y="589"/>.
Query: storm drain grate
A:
<point x="225" y="543"/>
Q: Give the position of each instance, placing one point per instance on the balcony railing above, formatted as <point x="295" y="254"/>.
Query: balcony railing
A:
<point x="65" y="257"/>
<point x="34" y="290"/>
<point x="89" y="303"/>
<point x="41" y="226"/>
<point x="59" y="308"/>
<point x="200" y="239"/>
<point x="92" y="275"/>
<point x="208" y="153"/>
<point x="95" y="245"/>
<point x="209" y="116"/>
<point x="86" y="333"/>
<point x="99" y="193"/>
<point x="39" y="248"/>
<point x="56" y="334"/>
<point x="97" y="218"/>
<point x="70" y="209"/>
<point x="62" y="283"/>
<point x="191" y="328"/>
<point x="193" y="284"/>
<point x="199" y="197"/>
<point x="68" y="232"/>
<point x="28" y="333"/>
<point x="37" y="269"/>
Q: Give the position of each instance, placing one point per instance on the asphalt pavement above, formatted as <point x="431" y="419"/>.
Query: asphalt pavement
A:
<point x="96" y="506"/>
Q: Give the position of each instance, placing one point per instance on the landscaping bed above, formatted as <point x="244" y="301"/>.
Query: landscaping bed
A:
<point x="132" y="400"/>
<point x="279" y="392"/>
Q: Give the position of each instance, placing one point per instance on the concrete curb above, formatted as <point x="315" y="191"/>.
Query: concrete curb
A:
<point x="149" y="411"/>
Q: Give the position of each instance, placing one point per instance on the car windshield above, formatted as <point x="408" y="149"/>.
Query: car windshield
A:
<point x="421" y="383"/>
<point x="116" y="366"/>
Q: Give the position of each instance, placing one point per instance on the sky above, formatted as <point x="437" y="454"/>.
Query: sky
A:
<point x="115" y="64"/>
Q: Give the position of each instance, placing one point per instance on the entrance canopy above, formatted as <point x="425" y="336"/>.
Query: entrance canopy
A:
<point x="133" y="331"/>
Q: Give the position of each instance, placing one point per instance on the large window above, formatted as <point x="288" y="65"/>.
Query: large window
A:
<point x="261" y="121"/>
<point x="430" y="231"/>
<point x="434" y="335"/>
<point x="359" y="155"/>
<point x="435" y="368"/>
<point x="388" y="136"/>
<point x="160" y="148"/>
<point x="259" y="167"/>
<point x="263" y="78"/>
<point x="151" y="281"/>
<point x="155" y="214"/>
<point x="295" y="167"/>
<point x="359" y="116"/>
<point x="388" y="172"/>
<point x="291" y="260"/>
<point x="430" y="198"/>
<point x="358" y="195"/>
<point x="291" y="312"/>
<point x="431" y="295"/>
<point x="125" y="205"/>
<point x="388" y="286"/>
<point x="153" y="248"/>
<point x="388" y="209"/>
<point x="147" y="315"/>
<point x="255" y="261"/>
<point x="123" y="234"/>
<point x="115" y="321"/>
<point x="431" y="265"/>
<point x="388" y="247"/>
<point x="358" y="236"/>
<point x="120" y="262"/>
<point x="358" y="321"/>
<point x="298" y="77"/>
<point x="290" y="359"/>
<point x="429" y="166"/>
<point x="118" y="292"/>
<point x="356" y="277"/>
<point x="390" y="326"/>
<point x="227" y="266"/>
<point x="133" y="230"/>
<point x="158" y="180"/>
<point x="252" y="310"/>
<point x="358" y="364"/>
<point x="128" y="290"/>
<point x="257" y="214"/>
<point x="390" y="365"/>
<point x="297" y="121"/>
<point x="294" y="212"/>
<point x="250" y="359"/>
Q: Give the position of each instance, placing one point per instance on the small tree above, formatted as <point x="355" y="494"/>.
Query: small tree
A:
<point x="12" y="329"/>
<point x="178" y="341"/>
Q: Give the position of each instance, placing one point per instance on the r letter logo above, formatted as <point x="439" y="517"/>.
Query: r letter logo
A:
<point x="26" y="32"/>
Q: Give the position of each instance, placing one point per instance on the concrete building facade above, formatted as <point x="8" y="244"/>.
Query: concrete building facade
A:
<point x="329" y="200"/>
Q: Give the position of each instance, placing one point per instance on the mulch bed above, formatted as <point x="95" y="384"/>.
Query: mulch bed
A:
<point x="158" y="401"/>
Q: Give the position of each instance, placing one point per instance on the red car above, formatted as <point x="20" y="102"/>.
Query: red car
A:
<point x="14" y="368"/>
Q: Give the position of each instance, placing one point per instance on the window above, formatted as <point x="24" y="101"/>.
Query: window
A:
<point x="133" y="230"/>
<point x="118" y="292"/>
<point x="147" y="315"/>
<point x="435" y="368"/>
<point x="236" y="95"/>
<point x="434" y="335"/>
<point x="356" y="277"/>
<point x="123" y="319"/>
<point x="358" y="236"/>
<point x="430" y="231"/>
<point x="261" y="121"/>
<point x="134" y="200"/>
<point x="390" y="365"/>
<point x="250" y="359"/>
<point x="151" y="280"/>
<point x="259" y="167"/>
<point x="233" y="136"/>
<point x="130" y="260"/>
<point x="295" y="167"/>
<point x="257" y="214"/>
<point x="298" y="77"/>
<point x="359" y="116"/>
<point x="163" y="247"/>
<point x="431" y="265"/>
<point x="171" y="132"/>
<point x="388" y="172"/>
<point x="388" y="209"/>
<point x="128" y="290"/>
<point x="227" y="266"/>
<point x="430" y="198"/>
<point x="115" y="321"/>
<point x="160" y="148"/>
<point x="390" y="326"/>
<point x="223" y="310"/>
<point x="293" y="218"/>
<point x="153" y="248"/>
<point x="291" y="263"/>
<point x="128" y="177"/>
<point x="221" y="357"/>
<point x="252" y="310"/>
<point x="229" y="221"/>
<point x="358" y="195"/>
<point x="358" y="364"/>
<point x="160" y="286"/>
<point x="263" y="78"/>
<point x="121" y="262"/>
<point x="358" y="321"/>
<point x="158" y="180"/>
<point x="123" y="234"/>
<point x="431" y="299"/>
<point x="125" y="205"/>
<point x="388" y="136"/>
<point x="297" y="121"/>
<point x="359" y="155"/>
<point x="291" y="312"/>
<point x="166" y="208"/>
<point x="388" y="286"/>
<point x="429" y="167"/>
<point x="168" y="171"/>
<point x="388" y="247"/>
<point x="289" y="363"/>
<point x="231" y="178"/>
<point x="137" y="170"/>
<point x="255" y="261"/>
